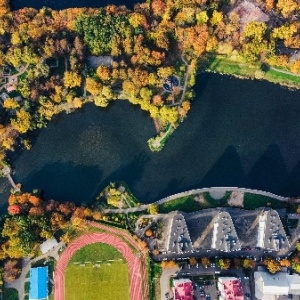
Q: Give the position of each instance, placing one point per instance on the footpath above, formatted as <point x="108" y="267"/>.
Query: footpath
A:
<point x="213" y="191"/>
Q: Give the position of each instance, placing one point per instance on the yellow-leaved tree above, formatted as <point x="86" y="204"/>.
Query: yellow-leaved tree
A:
<point x="22" y="121"/>
<point x="11" y="103"/>
<point x="71" y="79"/>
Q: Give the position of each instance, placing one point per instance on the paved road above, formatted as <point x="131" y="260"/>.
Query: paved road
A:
<point x="165" y="281"/>
<point x="19" y="283"/>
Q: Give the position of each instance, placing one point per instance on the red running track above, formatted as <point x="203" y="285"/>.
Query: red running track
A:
<point x="133" y="261"/>
<point x="135" y="244"/>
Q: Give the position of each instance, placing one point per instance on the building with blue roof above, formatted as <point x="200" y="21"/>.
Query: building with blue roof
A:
<point x="38" y="283"/>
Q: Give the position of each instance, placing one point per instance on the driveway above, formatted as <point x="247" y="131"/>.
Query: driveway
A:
<point x="165" y="280"/>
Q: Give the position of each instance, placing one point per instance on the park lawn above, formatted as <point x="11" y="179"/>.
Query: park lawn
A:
<point x="224" y="65"/>
<point x="189" y="204"/>
<point x="109" y="281"/>
<point x="253" y="201"/>
<point x="278" y="77"/>
<point x="185" y="204"/>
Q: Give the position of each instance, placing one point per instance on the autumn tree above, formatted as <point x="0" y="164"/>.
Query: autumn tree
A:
<point x="92" y="86"/>
<point x="216" y="18"/>
<point x="255" y="30"/>
<point x="148" y="233"/>
<point x="193" y="261"/>
<point x="113" y="197"/>
<point x="103" y="73"/>
<point x="224" y="263"/>
<point x="285" y="263"/>
<point x="248" y="263"/>
<point x="67" y="208"/>
<point x="71" y="79"/>
<point x="158" y="7"/>
<point x="155" y="252"/>
<point x="254" y="42"/>
<point x="272" y="265"/>
<point x="153" y="209"/>
<point x="10" y="103"/>
<point x="168" y="264"/>
<point x="11" y="270"/>
<point x="22" y="121"/>
<point x="295" y="68"/>
<point x="205" y="261"/>
<point x="14" y="209"/>
<point x="287" y="7"/>
<point x="236" y="263"/>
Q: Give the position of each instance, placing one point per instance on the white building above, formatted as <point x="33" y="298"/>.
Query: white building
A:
<point x="271" y="286"/>
<point x="294" y="284"/>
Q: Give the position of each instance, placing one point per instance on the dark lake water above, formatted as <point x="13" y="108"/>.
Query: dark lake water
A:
<point x="62" y="4"/>
<point x="238" y="133"/>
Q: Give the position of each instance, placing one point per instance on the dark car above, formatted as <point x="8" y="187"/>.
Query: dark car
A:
<point x="208" y="297"/>
<point x="202" y="293"/>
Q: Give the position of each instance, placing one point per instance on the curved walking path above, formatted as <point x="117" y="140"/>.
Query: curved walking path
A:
<point x="285" y="72"/>
<point x="136" y="263"/>
<point x="212" y="190"/>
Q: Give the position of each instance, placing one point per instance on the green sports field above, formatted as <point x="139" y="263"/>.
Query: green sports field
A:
<point x="88" y="279"/>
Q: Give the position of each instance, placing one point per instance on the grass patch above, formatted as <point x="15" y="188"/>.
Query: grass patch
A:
<point x="278" y="77"/>
<point x="212" y="202"/>
<point x="27" y="287"/>
<point x="23" y="76"/>
<point x="96" y="252"/>
<point x="10" y="294"/>
<point x="253" y="201"/>
<point x="189" y="204"/>
<point x="157" y="291"/>
<point x="225" y="65"/>
<point x="185" y="204"/>
<point x="106" y="282"/>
